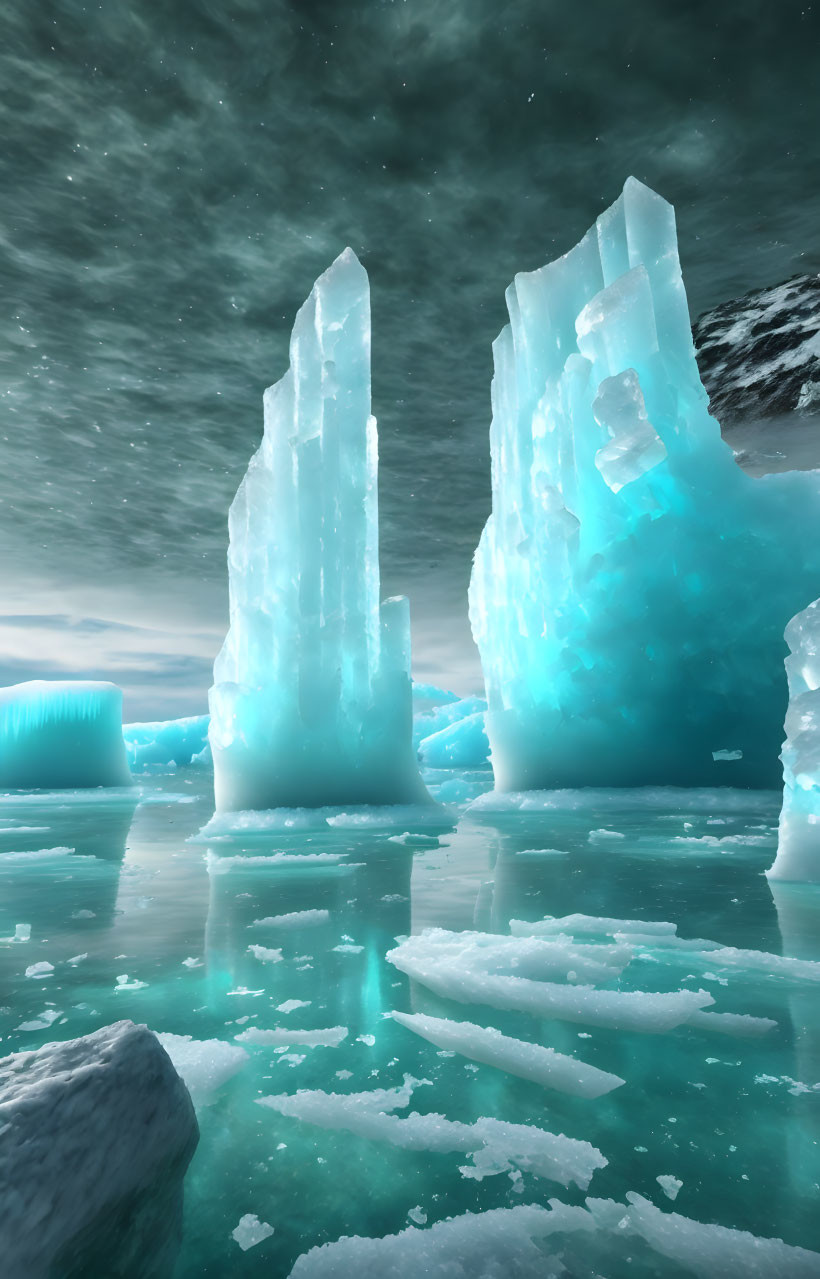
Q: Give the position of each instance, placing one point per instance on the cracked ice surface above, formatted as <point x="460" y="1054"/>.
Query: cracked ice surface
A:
<point x="631" y="585"/>
<point x="312" y="703"/>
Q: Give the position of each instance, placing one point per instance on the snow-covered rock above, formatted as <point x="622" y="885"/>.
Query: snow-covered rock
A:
<point x="759" y="355"/>
<point x="95" y="1137"/>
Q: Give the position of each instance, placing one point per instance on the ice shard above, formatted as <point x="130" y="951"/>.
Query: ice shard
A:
<point x="311" y="703"/>
<point x="798" y="844"/>
<point x="631" y="585"/>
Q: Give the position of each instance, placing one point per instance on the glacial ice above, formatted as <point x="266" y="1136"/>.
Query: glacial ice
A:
<point x="203" y="1065"/>
<point x="610" y="597"/>
<point x="459" y="972"/>
<point x="798" y="844"/>
<point x="61" y="734"/>
<point x="162" y="746"/>
<point x="311" y="703"/>
<point x="517" y="1057"/>
<point x="462" y="744"/>
<point x="533" y="1242"/>
<point x="251" y="1231"/>
<point x="494" y="1146"/>
<point x="95" y="1137"/>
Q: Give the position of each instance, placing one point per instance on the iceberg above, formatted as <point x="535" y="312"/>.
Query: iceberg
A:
<point x="163" y="746"/>
<point x="632" y="583"/>
<point x="312" y="700"/>
<point x="95" y="1137"/>
<point x="61" y="735"/>
<point x="798" y="844"/>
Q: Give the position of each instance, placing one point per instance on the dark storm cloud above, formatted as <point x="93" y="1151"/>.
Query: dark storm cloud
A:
<point x="175" y="177"/>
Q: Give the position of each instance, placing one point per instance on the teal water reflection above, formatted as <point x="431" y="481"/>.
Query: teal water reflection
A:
<point x="735" y="1119"/>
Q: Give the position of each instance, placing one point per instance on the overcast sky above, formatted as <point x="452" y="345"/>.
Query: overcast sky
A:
<point x="174" y="177"/>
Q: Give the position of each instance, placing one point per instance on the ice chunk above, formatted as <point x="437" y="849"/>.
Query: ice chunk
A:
<point x="606" y="598"/>
<point x="798" y="844"/>
<point x="429" y="723"/>
<point x="251" y="1231"/>
<point x="485" y="1245"/>
<point x="459" y="973"/>
<point x="312" y="702"/>
<point x="95" y="1137"/>
<point x="266" y="954"/>
<point x="593" y="925"/>
<point x="61" y="734"/>
<point x="165" y="745"/>
<point x="41" y="969"/>
<point x="706" y="1250"/>
<point x="669" y="1185"/>
<point x="204" y="1065"/>
<point x="294" y="919"/>
<point x="284" y="1037"/>
<point x="531" y="957"/>
<point x="517" y="1057"/>
<point x="494" y="1146"/>
<point x="462" y="745"/>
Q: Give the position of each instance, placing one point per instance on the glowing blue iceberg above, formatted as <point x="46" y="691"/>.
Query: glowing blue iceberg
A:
<point x="631" y="585"/>
<point x="798" y="846"/>
<point x="61" y="735"/>
<point x="163" y="746"/>
<point x="311" y="703"/>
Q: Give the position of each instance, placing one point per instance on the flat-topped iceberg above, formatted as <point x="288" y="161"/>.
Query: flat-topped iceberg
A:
<point x="61" y="735"/>
<point x="311" y="703"/>
<point x="798" y="845"/>
<point x="631" y="585"/>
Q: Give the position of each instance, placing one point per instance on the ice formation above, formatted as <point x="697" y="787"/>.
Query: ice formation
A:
<point x="493" y="1146"/>
<point x="165" y="745"/>
<point x="61" y="734"/>
<point x="312" y="702"/>
<point x="531" y="1242"/>
<point x="631" y="585"/>
<point x="95" y="1137"/>
<point x="517" y="1057"/>
<point x="798" y="845"/>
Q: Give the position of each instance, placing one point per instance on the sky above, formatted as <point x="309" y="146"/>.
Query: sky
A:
<point x="173" y="178"/>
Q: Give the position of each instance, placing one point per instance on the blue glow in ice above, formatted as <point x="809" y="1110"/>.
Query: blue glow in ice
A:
<point x="61" y="735"/>
<point x="311" y="703"/>
<point x="798" y="847"/>
<point x="163" y="746"/>
<point x="631" y="585"/>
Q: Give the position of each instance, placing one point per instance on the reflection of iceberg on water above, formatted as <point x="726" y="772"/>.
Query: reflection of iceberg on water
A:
<point x="60" y="859"/>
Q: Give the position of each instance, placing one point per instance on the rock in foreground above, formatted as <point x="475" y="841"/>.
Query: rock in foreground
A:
<point x="95" y="1137"/>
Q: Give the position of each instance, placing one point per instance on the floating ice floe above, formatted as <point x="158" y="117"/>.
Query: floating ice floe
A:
<point x="515" y="1056"/>
<point x="251" y="1231"/>
<point x="494" y="1146"/>
<point x="458" y="972"/>
<point x="285" y="1037"/>
<point x="204" y="1065"/>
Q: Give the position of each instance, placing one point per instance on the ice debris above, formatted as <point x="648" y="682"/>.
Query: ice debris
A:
<point x="204" y="1065"/>
<point x="493" y="1146"/>
<point x="311" y="703"/>
<point x="61" y="734"/>
<point x="610" y="592"/>
<point x="251" y="1231"/>
<point x="515" y="1056"/>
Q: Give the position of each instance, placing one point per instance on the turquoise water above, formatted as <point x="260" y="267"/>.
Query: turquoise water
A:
<point x="730" y="1117"/>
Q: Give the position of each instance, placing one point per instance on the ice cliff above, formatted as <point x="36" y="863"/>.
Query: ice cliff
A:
<point x="798" y="846"/>
<point x="95" y="1137"/>
<point x="631" y="586"/>
<point x="61" y="734"/>
<point x="311" y="703"/>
